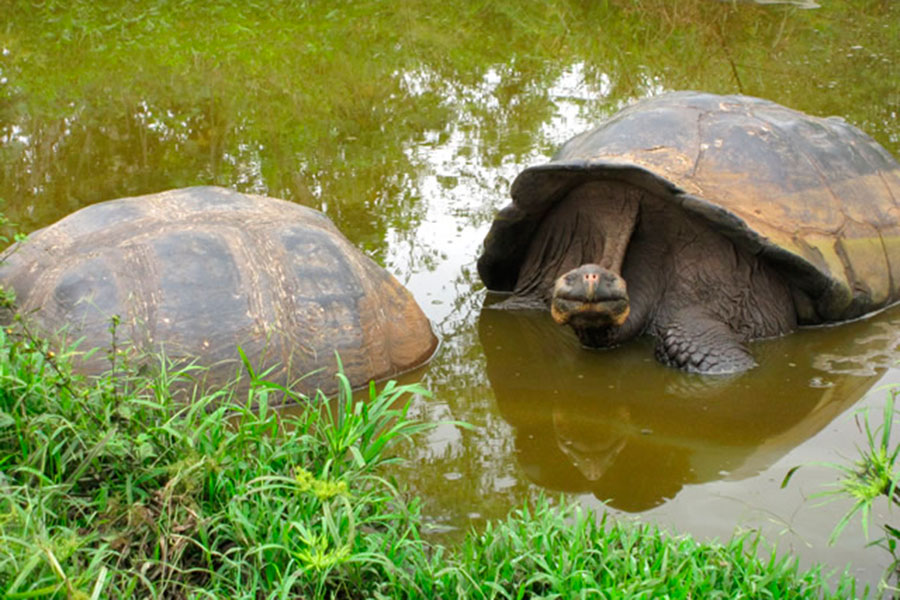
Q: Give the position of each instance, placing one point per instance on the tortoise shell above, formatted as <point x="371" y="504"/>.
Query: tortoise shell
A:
<point x="815" y="196"/>
<point x="198" y="272"/>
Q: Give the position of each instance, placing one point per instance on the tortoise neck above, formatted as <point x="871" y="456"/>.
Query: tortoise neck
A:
<point x="611" y="211"/>
<point x="592" y="224"/>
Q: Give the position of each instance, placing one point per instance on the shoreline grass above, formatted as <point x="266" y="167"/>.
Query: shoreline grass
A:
<point x="872" y="476"/>
<point x="112" y="488"/>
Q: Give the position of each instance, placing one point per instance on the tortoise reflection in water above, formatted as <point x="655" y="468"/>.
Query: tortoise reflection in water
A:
<point x="635" y="434"/>
<point x="200" y="271"/>
<point x="704" y="221"/>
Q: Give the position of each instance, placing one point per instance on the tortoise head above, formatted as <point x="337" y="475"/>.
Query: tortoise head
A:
<point x="593" y="301"/>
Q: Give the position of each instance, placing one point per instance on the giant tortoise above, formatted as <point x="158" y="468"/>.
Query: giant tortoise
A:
<point x="704" y="221"/>
<point x="198" y="272"/>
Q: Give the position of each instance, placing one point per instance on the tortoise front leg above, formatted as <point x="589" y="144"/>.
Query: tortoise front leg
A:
<point x="695" y="341"/>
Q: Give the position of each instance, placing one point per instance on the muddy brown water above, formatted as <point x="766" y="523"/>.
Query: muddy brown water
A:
<point x="697" y="455"/>
<point x="406" y="124"/>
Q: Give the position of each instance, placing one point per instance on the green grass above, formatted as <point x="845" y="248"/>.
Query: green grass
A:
<point x="565" y="552"/>
<point x="873" y="475"/>
<point x="120" y="488"/>
<point x="115" y="488"/>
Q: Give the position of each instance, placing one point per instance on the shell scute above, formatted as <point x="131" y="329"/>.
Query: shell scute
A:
<point x="318" y="268"/>
<point x="86" y="292"/>
<point x="102" y="217"/>
<point x="200" y="287"/>
<point x="868" y="273"/>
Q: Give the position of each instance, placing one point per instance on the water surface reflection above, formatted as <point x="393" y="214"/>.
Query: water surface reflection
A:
<point x="632" y="432"/>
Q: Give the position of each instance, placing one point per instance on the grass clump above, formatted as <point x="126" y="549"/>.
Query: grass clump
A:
<point x="114" y="488"/>
<point x="872" y="476"/>
<point x="565" y="552"/>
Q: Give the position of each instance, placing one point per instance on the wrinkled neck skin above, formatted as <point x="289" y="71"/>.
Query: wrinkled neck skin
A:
<point x="593" y="224"/>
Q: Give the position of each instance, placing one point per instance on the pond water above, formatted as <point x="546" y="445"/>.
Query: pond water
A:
<point x="406" y="124"/>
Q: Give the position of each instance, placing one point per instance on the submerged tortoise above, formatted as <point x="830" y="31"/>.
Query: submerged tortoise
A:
<point x="199" y="271"/>
<point x="704" y="221"/>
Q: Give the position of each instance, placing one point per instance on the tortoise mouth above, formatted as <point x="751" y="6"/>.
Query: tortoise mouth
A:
<point x="596" y="313"/>
<point x="589" y="296"/>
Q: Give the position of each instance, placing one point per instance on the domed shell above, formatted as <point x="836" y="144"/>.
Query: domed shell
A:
<point x="200" y="271"/>
<point x="816" y="196"/>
